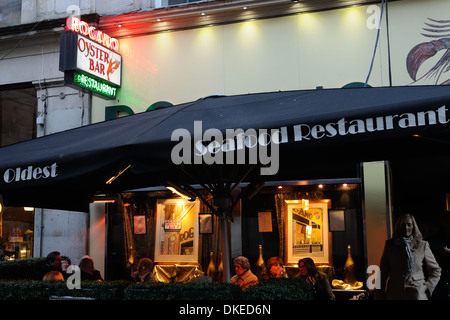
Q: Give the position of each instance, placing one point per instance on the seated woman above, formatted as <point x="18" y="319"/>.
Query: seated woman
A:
<point x="275" y="269"/>
<point x="244" y="277"/>
<point x="317" y="279"/>
<point x="53" y="275"/>
<point x="144" y="271"/>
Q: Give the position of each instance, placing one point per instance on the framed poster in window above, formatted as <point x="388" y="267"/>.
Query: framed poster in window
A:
<point x="307" y="233"/>
<point x="176" y="231"/>
<point x="265" y="221"/>
<point x="337" y="220"/>
<point x="205" y="223"/>
<point x="139" y="224"/>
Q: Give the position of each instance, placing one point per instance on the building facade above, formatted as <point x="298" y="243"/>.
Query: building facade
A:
<point x="179" y="52"/>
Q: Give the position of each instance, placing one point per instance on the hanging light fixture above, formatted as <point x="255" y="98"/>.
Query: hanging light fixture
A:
<point x="305" y="204"/>
<point x="180" y="191"/>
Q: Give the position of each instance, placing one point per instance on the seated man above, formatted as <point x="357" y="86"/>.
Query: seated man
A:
<point x="52" y="263"/>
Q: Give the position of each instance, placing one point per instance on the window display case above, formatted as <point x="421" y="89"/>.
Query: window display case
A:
<point x="177" y="231"/>
<point x="307" y="231"/>
<point x="16" y="235"/>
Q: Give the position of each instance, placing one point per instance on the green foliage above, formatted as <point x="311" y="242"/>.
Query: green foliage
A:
<point x="280" y="289"/>
<point x="44" y="290"/>
<point x="98" y="290"/>
<point x="182" y="291"/>
<point x="29" y="290"/>
<point x="21" y="269"/>
<point x="283" y="289"/>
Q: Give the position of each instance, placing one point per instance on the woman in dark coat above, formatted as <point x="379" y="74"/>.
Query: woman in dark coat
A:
<point x="404" y="259"/>
<point x="317" y="279"/>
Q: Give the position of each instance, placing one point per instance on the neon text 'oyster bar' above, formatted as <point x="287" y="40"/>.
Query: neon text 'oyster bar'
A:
<point x="76" y="25"/>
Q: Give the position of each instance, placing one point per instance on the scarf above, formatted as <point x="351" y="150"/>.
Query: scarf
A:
<point x="407" y="241"/>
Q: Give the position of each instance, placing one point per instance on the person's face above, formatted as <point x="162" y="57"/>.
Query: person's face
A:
<point x="57" y="262"/>
<point x="407" y="227"/>
<point x="239" y="270"/>
<point x="276" y="269"/>
<point x="303" y="269"/>
<point x="142" y="269"/>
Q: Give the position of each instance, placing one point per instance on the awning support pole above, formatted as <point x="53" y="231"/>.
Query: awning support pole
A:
<point x="225" y="245"/>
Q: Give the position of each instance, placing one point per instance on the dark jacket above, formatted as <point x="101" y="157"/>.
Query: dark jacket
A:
<point x="95" y="276"/>
<point x="149" y="277"/>
<point x="322" y="288"/>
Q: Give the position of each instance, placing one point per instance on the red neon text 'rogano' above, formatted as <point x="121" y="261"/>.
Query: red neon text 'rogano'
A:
<point x="76" y="25"/>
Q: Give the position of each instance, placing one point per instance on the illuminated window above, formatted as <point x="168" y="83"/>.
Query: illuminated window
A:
<point x="307" y="231"/>
<point x="18" y="107"/>
<point x="177" y="231"/>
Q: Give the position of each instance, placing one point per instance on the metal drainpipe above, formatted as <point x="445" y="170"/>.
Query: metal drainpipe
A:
<point x="41" y="233"/>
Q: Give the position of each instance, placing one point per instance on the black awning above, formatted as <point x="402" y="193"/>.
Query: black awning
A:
<point x="311" y="128"/>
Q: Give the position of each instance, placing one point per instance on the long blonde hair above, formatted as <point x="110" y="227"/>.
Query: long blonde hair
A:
<point x="53" y="275"/>
<point x="398" y="227"/>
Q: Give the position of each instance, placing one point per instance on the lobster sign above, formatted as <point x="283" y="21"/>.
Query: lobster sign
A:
<point x="439" y="30"/>
<point x="89" y="59"/>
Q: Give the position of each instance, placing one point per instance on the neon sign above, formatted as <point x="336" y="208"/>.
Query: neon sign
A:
<point x="76" y="25"/>
<point x="98" y="60"/>
<point x="87" y="63"/>
<point x="95" y="85"/>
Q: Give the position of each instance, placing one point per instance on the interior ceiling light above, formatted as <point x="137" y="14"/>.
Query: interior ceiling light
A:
<point x="103" y="199"/>
<point x="179" y="193"/>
